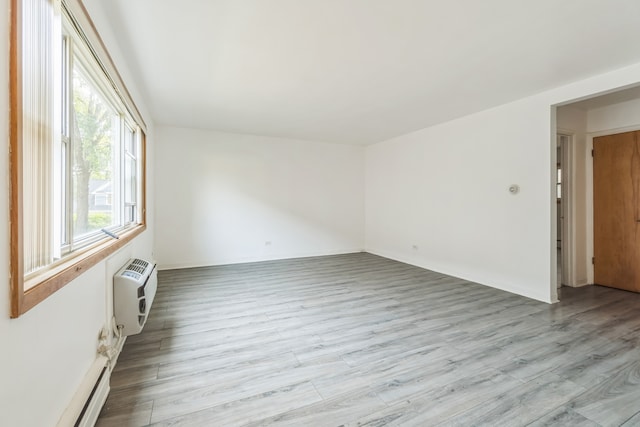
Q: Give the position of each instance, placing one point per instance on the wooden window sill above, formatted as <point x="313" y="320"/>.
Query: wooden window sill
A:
<point x="40" y="286"/>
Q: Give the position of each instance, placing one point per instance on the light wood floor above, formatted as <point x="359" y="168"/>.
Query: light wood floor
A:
<point x="359" y="340"/>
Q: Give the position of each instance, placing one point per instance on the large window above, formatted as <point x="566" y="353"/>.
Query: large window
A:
<point x="77" y="150"/>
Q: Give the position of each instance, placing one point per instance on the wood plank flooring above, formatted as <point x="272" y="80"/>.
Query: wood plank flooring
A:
<point x="360" y="340"/>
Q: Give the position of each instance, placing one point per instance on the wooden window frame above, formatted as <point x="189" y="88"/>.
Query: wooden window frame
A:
<point x="41" y="286"/>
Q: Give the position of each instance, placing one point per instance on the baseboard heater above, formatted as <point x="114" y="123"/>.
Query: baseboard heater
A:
<point x="90" y="397"/>
<point x="91" y="410"/>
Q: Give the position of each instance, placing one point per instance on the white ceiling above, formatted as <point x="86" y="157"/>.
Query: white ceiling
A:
<point x="360" y="71"/>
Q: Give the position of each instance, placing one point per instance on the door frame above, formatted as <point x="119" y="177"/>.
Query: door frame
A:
<point x="567" y="207"/>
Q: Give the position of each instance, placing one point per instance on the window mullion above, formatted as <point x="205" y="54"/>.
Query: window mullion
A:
<point x="70" y="118"/>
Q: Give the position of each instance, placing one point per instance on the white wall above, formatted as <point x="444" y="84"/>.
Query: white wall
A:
<point x="47" y="351"/>
<point x="612" y="118"/>
<point x="222" y="196"/>
<point x="444" y="189"/>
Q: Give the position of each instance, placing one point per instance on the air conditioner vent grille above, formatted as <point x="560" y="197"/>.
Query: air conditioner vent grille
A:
<point x="138" y="265"/>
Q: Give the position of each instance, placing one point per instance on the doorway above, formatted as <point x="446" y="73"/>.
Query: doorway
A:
<point x="578" y="126"/>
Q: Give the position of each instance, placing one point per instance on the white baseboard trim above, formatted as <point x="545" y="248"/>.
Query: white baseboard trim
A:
<point x="230" y="261"/>
<point x="581" y="284"/>
<point x="518" y="290"/>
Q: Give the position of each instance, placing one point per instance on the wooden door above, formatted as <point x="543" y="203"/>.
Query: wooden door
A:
<point x="616" y="210"/>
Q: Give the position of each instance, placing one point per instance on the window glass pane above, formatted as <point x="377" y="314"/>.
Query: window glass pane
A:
<point x="130" y="181"/>
<point x="130" y="189"/>
<point x="130" y="141"/>
<point x="61" y="192"/>
<point x="94" y="150"/>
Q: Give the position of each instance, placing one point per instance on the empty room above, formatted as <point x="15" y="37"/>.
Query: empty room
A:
<point x="320" y="213"/>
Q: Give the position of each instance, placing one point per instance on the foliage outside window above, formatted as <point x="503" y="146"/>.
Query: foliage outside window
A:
<point x="77" y="153"/>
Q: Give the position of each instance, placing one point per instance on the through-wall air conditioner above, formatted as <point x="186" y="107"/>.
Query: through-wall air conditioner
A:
<point x="134" y="288"/>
